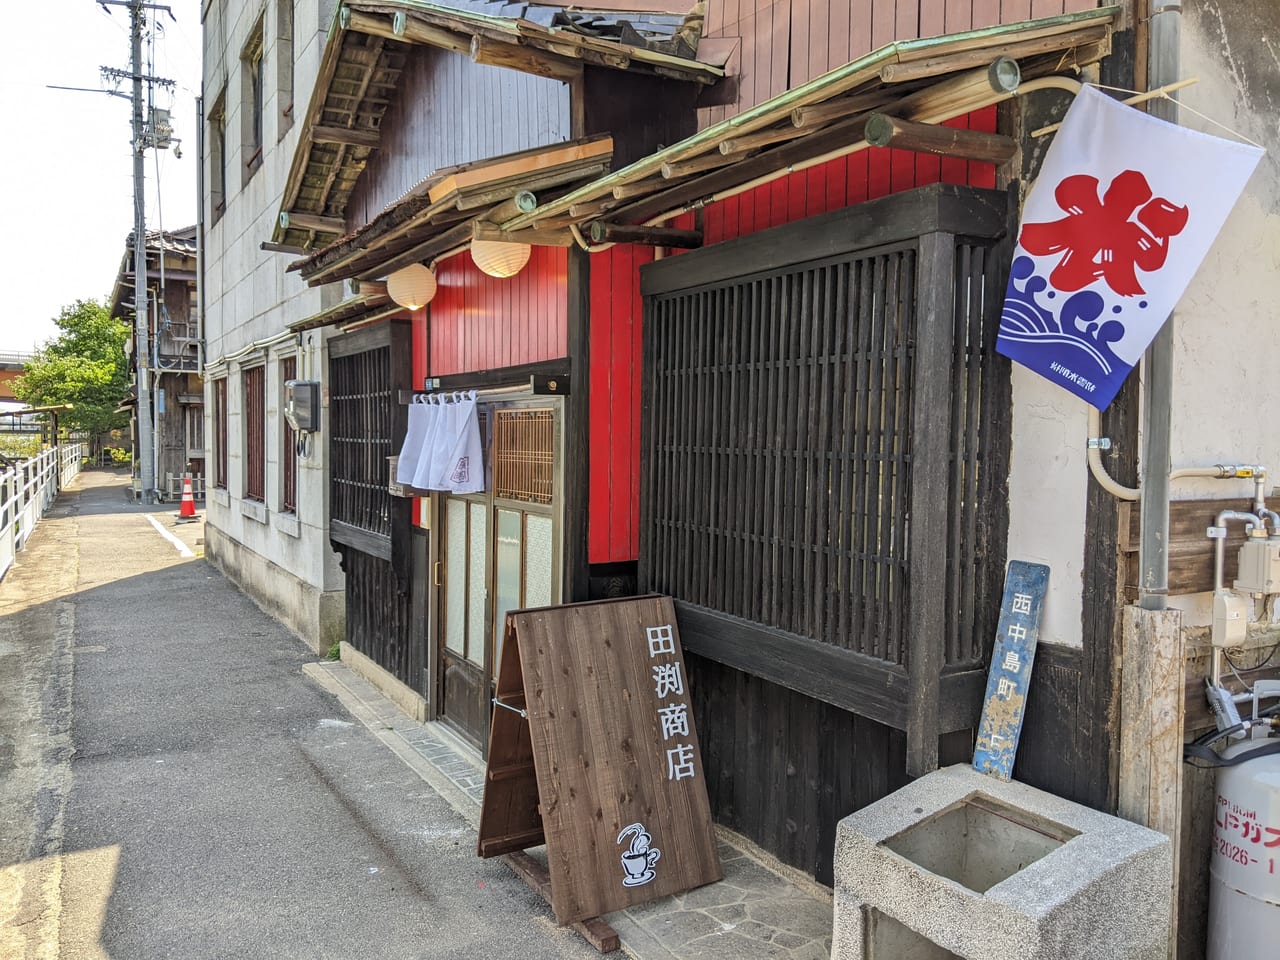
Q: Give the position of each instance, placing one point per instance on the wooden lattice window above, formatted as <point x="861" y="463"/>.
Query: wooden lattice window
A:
<point x="220" y="433"/>
<point x="360" y="413"/>
<point x="781" y="495"/>
<point x="288" y="446"/>
<point x="255" y="439"/>
<point x="523" y="455"/>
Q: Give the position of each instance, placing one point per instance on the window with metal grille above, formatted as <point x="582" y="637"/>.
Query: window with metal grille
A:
<point x="220" y="433"/>
<point x="255" y="446"/>
<point x="523" y="455"/>
<point x="288" y="446"/>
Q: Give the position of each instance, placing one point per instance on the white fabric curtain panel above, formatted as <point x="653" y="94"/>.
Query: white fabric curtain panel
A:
<point x="421" y="419"/>
<point x="442" y="449"/>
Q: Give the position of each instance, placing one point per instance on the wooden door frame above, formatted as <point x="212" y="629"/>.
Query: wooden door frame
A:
<point x="560" y="534"/>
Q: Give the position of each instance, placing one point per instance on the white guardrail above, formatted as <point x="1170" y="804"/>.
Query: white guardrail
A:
<point x="27" y="489"/>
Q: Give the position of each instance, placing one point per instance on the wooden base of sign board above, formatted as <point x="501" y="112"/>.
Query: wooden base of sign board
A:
<point x="593" y="751"/>
<point x="594" y="930"/>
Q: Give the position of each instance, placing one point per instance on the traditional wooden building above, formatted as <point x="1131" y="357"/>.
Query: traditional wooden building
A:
<point x="786" y="429"/>
<point x="748" y="363"/>
<point x="174" y="363"/>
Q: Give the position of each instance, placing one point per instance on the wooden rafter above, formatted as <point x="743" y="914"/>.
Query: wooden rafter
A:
<point x="491" y="53"/>
<point x="296" y="220"/>
<point x="1060" y="34"/>
<point x="346" y="136"/>
<point x="456" y="237"/>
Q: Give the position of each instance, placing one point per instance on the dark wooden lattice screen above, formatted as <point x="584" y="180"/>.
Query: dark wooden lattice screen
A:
<point x="360" y="408"/>
<point x="825" y="447"/>
<point x="781" y="411"/>
<point x="366" y="425"/>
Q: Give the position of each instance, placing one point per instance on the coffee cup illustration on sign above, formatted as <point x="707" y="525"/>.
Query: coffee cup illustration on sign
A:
<point x="639" y="860"/>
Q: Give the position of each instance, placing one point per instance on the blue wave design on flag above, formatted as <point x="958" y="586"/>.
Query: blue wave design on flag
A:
<point x="1077" y="325"/>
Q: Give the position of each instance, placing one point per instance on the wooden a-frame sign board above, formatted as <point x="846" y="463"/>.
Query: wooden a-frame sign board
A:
<point x="604" y="765"/>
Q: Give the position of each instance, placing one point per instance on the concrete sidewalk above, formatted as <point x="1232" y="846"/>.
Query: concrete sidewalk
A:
<point x="760" y="909"/>
<point x="179" y="777"/>
<point x="171" y="785"/>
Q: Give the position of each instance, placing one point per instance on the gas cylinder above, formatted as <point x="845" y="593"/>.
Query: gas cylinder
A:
<point x="1244" y="866"/>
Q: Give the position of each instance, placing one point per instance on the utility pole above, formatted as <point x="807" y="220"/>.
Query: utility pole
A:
<point x="143" y="136"/>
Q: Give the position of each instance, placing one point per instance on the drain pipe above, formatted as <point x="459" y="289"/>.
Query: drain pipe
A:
<point x="1163" y="65"/>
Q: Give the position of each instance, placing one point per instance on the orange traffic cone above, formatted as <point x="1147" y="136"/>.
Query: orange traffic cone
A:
<point x="188" y="509"/>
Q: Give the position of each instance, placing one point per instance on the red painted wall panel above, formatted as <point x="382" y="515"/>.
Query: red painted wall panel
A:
<point x="614" y="469"/>
<point x="614" y="496"/>
<point x="480" y="322"/>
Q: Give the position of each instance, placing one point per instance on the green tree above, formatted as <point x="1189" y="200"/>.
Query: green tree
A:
<point x="85" y="366"/>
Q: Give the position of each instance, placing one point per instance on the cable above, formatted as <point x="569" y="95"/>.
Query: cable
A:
<point x="1234" y="666"/>
<point x="1200" y="749"/>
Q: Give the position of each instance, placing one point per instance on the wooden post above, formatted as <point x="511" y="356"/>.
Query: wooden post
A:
<point x="935" y="322"/>
<point x="1152" y="706"/>
<point x="886" y="131"/>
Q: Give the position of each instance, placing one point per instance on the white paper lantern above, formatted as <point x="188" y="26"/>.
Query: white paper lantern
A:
<point x="499" y="258"/>
<point x="412" y="286"/>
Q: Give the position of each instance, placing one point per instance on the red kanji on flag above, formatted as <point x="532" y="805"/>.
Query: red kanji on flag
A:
<point x="1105" y="237"/>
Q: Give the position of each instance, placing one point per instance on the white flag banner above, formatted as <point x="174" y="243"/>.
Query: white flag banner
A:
<point x="1124" y="210"/>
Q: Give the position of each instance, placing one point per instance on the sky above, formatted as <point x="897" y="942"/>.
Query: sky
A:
<point x="66" y="203"/>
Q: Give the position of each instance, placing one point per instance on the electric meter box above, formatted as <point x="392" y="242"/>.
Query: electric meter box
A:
<point x="1259" y="566"/>
<point x="302" y="405"/>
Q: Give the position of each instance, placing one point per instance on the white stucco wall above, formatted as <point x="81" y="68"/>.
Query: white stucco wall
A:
<point x="1047" y="495"/>
<point x="1227" y="337"/>
<point x="283" y="559"/>
<point x="1227" y="345"/>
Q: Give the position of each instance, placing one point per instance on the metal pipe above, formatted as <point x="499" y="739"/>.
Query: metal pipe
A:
<point x="1275" y="520"/>
<point x="1219" y="471"/>
<point x="1096" y="467"/>
<point x="200" y="354"/>
<point x="1163" y="67"/>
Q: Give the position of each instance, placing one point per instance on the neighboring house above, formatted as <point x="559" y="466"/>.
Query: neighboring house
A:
<point x="173" y="322"/>
<point x="800" y="431"/>
<point x="266" y="523"/>
<point x="12" y="364"/>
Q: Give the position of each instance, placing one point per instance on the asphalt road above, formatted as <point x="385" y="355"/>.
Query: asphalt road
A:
<point x="171" y="785"/>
